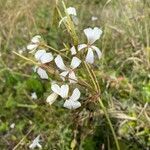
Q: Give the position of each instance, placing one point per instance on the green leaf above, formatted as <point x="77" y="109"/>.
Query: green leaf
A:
<point x="35" y="85"/>
<point x="10" y="103"/>
<point x="3" y="126"/>
<point x="55" y="18"/>
<point x="146" y="92"/>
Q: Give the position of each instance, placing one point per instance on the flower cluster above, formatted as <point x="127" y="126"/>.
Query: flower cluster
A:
<point x="66" y="72"/>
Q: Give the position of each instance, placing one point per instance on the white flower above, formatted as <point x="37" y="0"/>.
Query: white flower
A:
<point x="43" y="56"/>
<point x="35" y="41"/>
<point x="92" y="36"/>
<point x="72" y="102"/>
<point x="41" y="72"/>
<point x="33" y="96"/>
<point x="71" y="11"/>
<point x="35" y="143"/>
<point x="63" y="91"/>
<point x="94" y="18"/>
<point x="68" y="71"/>
<point x="57" y="91"/>
<point x="12" y="125"/>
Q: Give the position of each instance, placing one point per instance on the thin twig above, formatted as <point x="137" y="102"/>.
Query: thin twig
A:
<point x="23" y="138"/>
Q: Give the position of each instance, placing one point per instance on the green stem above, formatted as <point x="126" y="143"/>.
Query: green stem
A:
<point x="55" y="50"/>
<point x="110" y="124"/>
<point x="25" y="58"/>
<point x="89" y="73"/>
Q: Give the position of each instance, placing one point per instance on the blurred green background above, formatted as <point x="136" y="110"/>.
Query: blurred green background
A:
<point x="124" y="75"/>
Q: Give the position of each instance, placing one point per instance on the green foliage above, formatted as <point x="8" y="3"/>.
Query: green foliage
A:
<point x="3" y="127"/>
<point x="10" y="103"/>
<point x="11" y="79"/>
<point x="146" y="92"/>
<point x="35" y="85"/>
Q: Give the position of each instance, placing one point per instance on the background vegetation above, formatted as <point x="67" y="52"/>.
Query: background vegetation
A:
<point x="124" y="76"/>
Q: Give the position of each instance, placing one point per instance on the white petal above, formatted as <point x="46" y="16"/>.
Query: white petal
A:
<point x="51" y="98"/>
<point x="94" y="18"/>
<point x="73" y="50"/>
<point x="64" y="91"/>
<point x="42" y="73"/>
<point x="71" y="11"/>
<point x="63" y="75"/>
<point x="56" y="89"/>
<point x="90" y="56"/>
<point x="75" y="62"/>
<point x="46" y="58"/>
<point x="59" y="62"/>
<point x="39" y="53"/>
<point x="99" y="54"/>
<point x="72" y="77"/>
<point x="34" y="96"/>
<point x="36" y="143"/>
<point x="39" y="145"/>
<point x="32" y="146"/>
<point x="89" y="34"/>
<point x="36" y="39"/>
<point x="75" y="20"/>
<point x="92" y="34"/>
<point x="12" y="125"/>
<point x="81" y="46"/>
<point x="32" y="46"/>
<point x="97" y="32"/>
<point x="75" y="95"/>
<point x="71" y="104"/>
